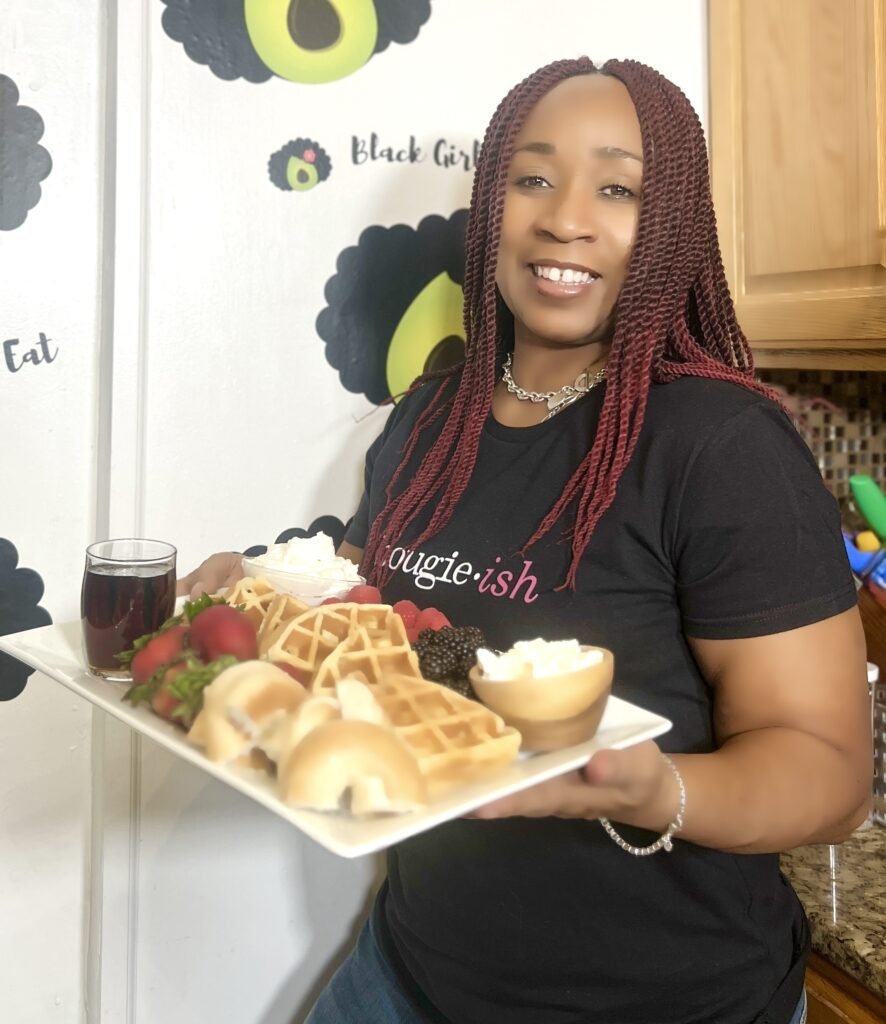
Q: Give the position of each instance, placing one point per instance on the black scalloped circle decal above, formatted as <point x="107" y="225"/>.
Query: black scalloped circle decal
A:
<point x="20" y="594"/>
<point x="213" y="33"/>
<point x="24" y="163"/>
<point x="375" y="282"/>
<point x="399" y="21"/>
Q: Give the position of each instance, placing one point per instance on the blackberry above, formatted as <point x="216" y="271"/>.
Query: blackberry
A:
<point x="462" y="686"/>
<point x="447" y="655"/>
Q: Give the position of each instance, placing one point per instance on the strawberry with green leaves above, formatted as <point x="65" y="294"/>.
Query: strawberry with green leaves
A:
<point x="175" y="692"/>
<point x="171" y="668"/>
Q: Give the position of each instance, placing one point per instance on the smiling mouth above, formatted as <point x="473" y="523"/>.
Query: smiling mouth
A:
<point x="564" y="274"/>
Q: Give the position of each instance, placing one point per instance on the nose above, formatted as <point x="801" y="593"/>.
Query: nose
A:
<point x="569" y="215"/>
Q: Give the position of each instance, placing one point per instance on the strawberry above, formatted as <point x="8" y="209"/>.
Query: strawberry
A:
<point x="164" y="701"/>
<point x="221" y="630"/>
<point x="175" y="692"/>
<point x="363" y="594"/>
<point x="408" y="612"/>
<point x="162" y="649"/>
<point x="431" y="618"/>
<point x="332" y="600"/>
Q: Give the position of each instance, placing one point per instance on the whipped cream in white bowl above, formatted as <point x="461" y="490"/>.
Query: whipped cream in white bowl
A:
<point x="307" y="567"/>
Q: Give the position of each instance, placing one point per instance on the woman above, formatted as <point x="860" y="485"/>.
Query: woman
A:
<point x="605" y="467"/>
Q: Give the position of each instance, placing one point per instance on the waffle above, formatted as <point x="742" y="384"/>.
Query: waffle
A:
<point x="379" y="620"/>
<point x="370" y="740"/>
<point x="369" y="656"/>
<point x="454" y="739"/>
<point x="281" y="611"/>
<point x="308" y="640"/>
<point x="254" y="596"/>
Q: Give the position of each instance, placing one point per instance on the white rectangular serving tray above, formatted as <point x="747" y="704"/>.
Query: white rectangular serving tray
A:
<point x="55" y="651"/>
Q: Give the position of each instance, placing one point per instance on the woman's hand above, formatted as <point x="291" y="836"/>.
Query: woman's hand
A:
<point x="634" y="786"/>
<point x="216" y="573"/>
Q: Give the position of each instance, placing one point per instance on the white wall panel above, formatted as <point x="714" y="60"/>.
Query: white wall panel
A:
<point x="49" y="268"/>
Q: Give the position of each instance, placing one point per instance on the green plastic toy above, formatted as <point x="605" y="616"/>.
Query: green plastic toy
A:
<point x="871" y="502"/>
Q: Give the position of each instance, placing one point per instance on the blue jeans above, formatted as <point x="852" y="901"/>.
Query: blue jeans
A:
<point x="800" y="1016"/>
<point x="364" y="990"/>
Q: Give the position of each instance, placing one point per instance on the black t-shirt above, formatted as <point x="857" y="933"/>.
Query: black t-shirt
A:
<point x="721" y="528"/>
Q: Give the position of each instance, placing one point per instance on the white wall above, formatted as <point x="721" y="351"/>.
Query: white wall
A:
<point x="227" y="426"/>
<point x="49" y="282"/>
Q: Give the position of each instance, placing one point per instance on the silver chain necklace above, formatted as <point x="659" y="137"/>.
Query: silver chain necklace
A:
<point x="556" y="400"/>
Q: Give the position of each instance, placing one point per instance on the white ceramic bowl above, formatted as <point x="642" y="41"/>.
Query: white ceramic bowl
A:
<point x="310" y="589"/>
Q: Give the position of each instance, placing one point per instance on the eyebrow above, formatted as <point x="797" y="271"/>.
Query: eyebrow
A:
<point x="603" y="152"/>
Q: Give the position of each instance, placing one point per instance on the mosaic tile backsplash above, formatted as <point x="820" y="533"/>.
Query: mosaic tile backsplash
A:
<point x="840" y="413"/>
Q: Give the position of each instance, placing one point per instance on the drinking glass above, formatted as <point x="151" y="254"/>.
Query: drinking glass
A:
<point x="128" y="590"/>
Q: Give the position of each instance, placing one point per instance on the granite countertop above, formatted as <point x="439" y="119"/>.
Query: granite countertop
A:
<point x="846" y="904"/>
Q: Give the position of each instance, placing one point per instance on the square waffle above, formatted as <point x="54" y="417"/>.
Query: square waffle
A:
<point x="254" y="596"/>
<point x="307" y="640"/>
<point x="372" y="656"/>
<point x="281" y="611"/>
<point x="454" y="739"/>
<point x="304" y="645"/>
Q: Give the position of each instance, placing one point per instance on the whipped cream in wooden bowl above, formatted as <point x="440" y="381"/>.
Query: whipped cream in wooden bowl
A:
<point x="553" y="692"/>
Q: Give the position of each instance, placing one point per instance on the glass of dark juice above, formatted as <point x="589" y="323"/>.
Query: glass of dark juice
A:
<point x="128" y="590"/>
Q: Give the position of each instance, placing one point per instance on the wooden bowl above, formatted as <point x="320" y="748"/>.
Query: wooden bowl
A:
<point x="550" y="712"/>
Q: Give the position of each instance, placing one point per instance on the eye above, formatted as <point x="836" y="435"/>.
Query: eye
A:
<point x="615" y="191"/>
<point x="532" y="181"/>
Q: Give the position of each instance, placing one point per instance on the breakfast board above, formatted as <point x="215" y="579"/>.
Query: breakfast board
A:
<point x="55" y="651"/>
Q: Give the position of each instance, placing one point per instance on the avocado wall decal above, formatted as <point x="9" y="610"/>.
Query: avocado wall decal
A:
<point x="308" y="41"/>
<point x="299" y="166"/>
<point x="20" y="593"/>
<point x="394" y="306"/>
<point x="24" y="163"/>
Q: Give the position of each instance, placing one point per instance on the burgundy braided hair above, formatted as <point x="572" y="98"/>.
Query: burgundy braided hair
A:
<point x="674" y="318"/>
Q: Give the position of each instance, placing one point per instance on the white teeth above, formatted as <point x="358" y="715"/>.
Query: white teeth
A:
<point x="567" y="275"/>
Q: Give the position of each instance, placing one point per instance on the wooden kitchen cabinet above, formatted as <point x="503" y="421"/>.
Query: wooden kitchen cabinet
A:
<point x="836" y="998"/>
<point x="798" y="163"/>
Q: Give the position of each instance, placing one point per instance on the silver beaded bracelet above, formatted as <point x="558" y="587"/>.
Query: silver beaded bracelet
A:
<point x="664" y="840"/>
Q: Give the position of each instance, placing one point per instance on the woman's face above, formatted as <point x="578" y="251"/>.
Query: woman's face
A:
<point x="572" y="203"/>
